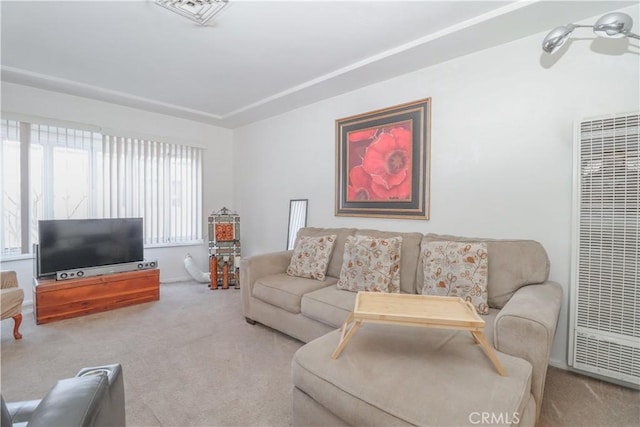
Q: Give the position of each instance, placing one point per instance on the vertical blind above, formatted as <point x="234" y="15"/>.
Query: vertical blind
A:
<point x="166" y="186"/>
<point x="10" y="203"/>
<point x="74" y="174"/>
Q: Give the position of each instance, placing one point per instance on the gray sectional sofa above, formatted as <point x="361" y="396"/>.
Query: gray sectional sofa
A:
<point x="396" y="375"/>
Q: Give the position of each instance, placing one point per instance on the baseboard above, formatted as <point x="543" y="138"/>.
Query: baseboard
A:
<point x="177" y="279"/>
<point x="27" y="306"/>
<point x="560" y="364"/>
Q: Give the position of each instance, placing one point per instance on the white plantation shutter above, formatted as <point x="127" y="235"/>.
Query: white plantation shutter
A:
<point x="606" y="290"/>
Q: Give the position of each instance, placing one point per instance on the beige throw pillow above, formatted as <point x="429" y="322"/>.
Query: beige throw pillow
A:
<point x="311" y="257"/>
<point x="371" y="264"/>
<point x="457" y="269"/>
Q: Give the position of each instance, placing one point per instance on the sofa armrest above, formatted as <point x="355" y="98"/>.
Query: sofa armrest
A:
<point x="8" y="279"/>
<point x="72" y="402"/>
<point x="114" y="404"/>
<point x="525" y="328"/>
<point x="252" y="268"/>
<point x="21" y="412"/>
<point x="11" y="300"/>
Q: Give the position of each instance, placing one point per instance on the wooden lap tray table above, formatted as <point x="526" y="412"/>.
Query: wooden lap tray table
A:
<point x="416" y="310"/>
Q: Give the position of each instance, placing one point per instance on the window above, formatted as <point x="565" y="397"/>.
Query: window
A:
<point x="167" y="191"/>
<point x="73" y="174"/>
<point x="11" y="237"/>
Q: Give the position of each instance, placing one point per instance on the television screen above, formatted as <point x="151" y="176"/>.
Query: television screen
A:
<point x="80" y="243"/>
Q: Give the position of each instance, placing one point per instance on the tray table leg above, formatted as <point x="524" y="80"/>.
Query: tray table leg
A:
<point x="475" y="339"/>
<point x="346" y="334"/>
<point x="480" y="338"/>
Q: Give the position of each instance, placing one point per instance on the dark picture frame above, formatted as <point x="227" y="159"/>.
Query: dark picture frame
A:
<point x="382" y="162"/>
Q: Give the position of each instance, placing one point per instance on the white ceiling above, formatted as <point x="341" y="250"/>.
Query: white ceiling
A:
<point x="255" y="59"/>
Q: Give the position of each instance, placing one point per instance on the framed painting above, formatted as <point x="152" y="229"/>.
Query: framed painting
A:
<point x="382" y="162"/>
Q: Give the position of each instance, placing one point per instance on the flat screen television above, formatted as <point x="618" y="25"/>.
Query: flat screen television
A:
<point x="67" y="244"/>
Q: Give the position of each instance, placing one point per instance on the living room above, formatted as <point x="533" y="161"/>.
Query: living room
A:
<point x="501" y="152"/>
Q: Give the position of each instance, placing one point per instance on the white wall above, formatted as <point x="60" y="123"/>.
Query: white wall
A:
<point x="501" y="149"/>
<point x="501" y="153"/>
<point x="217" y="183"/>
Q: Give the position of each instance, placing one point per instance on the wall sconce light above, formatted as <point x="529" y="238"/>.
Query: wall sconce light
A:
<point x="612" y="25"/>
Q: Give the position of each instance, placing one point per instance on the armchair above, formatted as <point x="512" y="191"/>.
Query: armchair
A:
<point x="11" y="297"/>
<point x="94" y="397"/>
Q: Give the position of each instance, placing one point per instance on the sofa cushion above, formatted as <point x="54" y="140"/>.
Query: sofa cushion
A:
<point x="361" y="386"/>
<point x="371" y="264"/>
<point x="410" y="254"/>
<point x="286" y="291"/>
<point x="456" y="269"/>
<point x="328" y="305"/>
<point x="311" y="256"/>
<point x="335" y="264"/>
<point x="512" y="265"/>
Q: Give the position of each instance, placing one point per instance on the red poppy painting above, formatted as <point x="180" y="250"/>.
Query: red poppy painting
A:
<point x="382" y="162"/>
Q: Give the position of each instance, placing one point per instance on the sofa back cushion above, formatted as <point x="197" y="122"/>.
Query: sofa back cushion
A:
<point x="371" y="264"/>
<point x="311" y="256"/>
<point x="409" y="255"/>
<point x="512" y="265"/>
<point x="456" y="269"/>
<point x="335" y="263"/>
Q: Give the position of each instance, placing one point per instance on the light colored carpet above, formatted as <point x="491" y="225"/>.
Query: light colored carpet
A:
<point x="190" y="359"/>
<point x="572" y="399"/>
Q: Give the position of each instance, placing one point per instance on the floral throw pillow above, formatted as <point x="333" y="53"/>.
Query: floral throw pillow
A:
<point x="311" y="257"/>
<point x="371" y="264"/>
<point x="457" y="269"/>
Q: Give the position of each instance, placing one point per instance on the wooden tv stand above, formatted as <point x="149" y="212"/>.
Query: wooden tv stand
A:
<point x="56" y="300"/>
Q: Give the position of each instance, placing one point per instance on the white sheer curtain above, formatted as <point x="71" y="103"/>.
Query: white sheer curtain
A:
<point x="157" y="181"/>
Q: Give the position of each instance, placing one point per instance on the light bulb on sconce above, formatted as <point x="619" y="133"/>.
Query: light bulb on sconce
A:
<point x="612" y="25"/>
